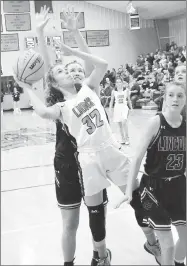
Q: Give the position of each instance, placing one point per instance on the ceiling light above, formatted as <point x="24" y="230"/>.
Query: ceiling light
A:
<point x="130" y="9"/>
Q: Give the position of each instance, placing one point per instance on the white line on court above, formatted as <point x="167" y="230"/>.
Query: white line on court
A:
<point x="51" y="223"/>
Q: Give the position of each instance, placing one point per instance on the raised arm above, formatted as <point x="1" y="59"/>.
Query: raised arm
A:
<point x="70" y="22"/>
<point x="41" y="21"/>
<point x="100" y="64"/>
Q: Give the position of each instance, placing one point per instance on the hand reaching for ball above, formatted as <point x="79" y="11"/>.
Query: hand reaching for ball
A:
<point x="22" y="84"/>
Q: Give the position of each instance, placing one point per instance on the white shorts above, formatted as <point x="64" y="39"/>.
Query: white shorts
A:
<point x="99" y="167"/>
<point x="120" y="113"/>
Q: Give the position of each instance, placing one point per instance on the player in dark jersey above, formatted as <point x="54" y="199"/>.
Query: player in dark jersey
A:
<point x="163" y="186"/>
<point x="2" y="98"/>
<point x="66" y="165"/>
<point x="16" y="99"/>
<point x="180" y="78"/>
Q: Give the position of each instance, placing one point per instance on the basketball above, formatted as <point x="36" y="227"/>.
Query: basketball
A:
<point x="29" y="67"/>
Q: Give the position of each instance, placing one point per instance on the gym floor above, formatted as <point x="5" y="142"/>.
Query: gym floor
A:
<point x="31" y="222"/>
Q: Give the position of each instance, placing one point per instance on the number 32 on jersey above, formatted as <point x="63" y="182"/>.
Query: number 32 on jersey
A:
<point x="93" y="121"/>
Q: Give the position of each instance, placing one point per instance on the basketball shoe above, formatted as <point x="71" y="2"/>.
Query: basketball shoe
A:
<point x="105" y="261"/>
<point x="155" y="250"/>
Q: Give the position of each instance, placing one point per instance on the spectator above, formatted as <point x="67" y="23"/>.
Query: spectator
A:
<point x="135" y="91"/>
<point x="112" y="76"/>
<point x="106" y="93"/>
<point x="105" y="77"/>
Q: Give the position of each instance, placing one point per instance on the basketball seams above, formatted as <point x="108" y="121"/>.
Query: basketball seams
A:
<point x="33" y="72"/>
<point x="26" y="66"/>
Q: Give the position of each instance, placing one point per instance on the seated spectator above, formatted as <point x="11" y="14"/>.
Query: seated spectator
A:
<point x="184" y="51"/>
<point x="140" y="61"/>
<point x="182" y="58"/>
<point x="153" y="85"/>
<point x="150" y="58"/>
<point x="105" y="77"/>
<point x="106" y="93"/>
<point x="147" y="67"/>
<point x="135" y="94"/>
<point x="159" y="76"/>
<point x="129" y="69"/>
<point x="163" y="61"/>
<point x="112" y="76"/>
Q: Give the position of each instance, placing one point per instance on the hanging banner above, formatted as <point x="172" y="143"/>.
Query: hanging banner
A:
<point x="29" y="42"/>
<point x="18" y="22"/>
<point x="9" y="42"/>
<point x="69" y="39"/>
<point x="97" y="38"/>
<point x="16" y="6"/>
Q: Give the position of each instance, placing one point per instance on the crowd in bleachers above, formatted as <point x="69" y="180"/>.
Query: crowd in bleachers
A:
<point x="147" y="78"/>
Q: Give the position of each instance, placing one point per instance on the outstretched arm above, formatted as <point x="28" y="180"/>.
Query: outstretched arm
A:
<point x="42" y="20"/>
<point x="70" y="22"/>
<point x="40" y="108"/>
<point x="149" y="134"/>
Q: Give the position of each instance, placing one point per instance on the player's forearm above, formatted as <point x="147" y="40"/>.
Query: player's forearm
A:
<point x="43" y="49"/>
<point x="81" y="41"/>
<point x="133" y="173"/>
<point x="84" y="48"/>
<point x="90" y="58"/>
<point x="39" y="107"/>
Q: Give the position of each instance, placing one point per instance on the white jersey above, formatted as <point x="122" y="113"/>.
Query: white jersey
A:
<point x="120" y="97"/>
<point x="86" y="120"/>
<point x="120" y="108"/>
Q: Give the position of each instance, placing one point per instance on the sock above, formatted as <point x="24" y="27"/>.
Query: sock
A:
<point x="69" y="263"/>
<point x="95" y="254"/>
<point x="179" y="263"/>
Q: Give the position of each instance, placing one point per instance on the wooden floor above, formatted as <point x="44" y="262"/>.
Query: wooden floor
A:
<point x="30" y="219"/>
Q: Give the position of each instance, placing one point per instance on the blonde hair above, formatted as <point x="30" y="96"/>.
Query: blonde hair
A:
<point x="183" y="86"/>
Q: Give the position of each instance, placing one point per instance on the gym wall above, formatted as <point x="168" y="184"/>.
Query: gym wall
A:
<point x="124" y="45"/>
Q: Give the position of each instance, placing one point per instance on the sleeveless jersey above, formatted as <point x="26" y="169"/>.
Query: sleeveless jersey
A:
<point x="86" y="119"/>
<point x="16" y="96"/>
<point x="65" y="144"/>
<point x="120" y="97"/>
<point x="166" y="155"/>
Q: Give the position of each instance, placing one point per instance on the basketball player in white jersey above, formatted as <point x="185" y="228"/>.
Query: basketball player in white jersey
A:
<point x="100" y="155"/>
<point x="68" y="190"/>
<point x="121" y="96"/>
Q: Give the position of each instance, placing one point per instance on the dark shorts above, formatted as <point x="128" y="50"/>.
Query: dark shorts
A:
<point x="136" y="204"/>
<point x="67" y="185"/>
<point x="16" y="99"/>
<point x="164" y="202"/>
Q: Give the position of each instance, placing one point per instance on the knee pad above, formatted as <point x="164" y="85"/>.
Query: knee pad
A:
<point x="97" y="222"/>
